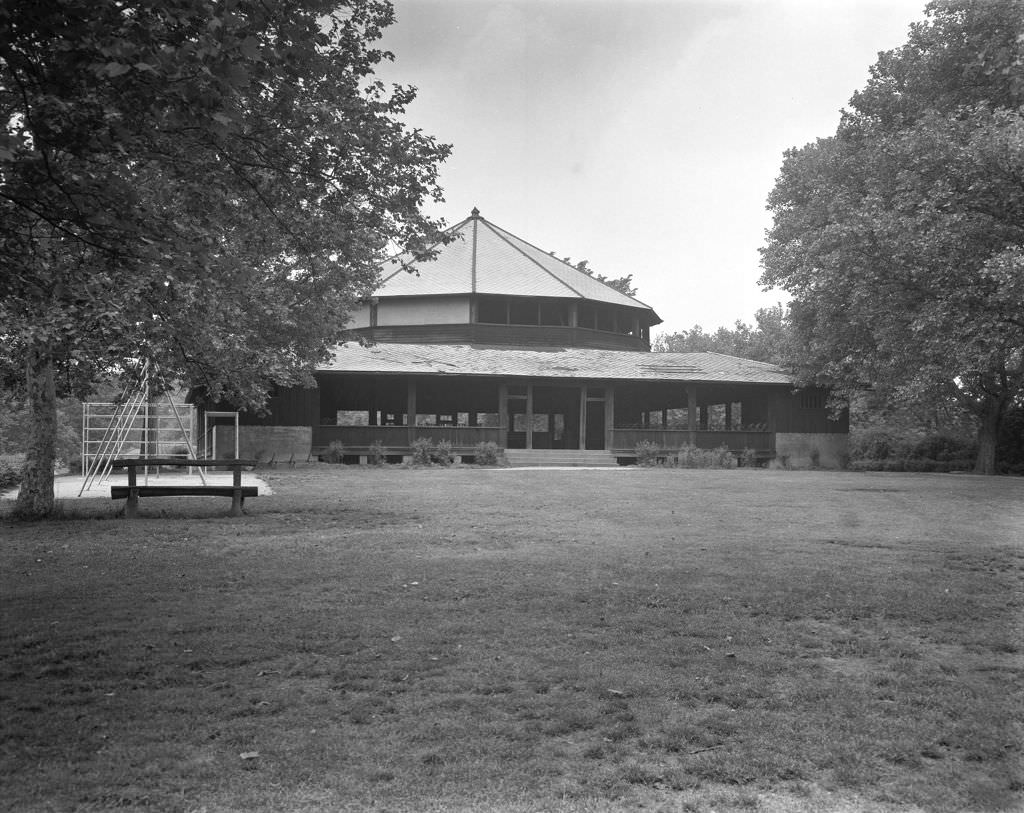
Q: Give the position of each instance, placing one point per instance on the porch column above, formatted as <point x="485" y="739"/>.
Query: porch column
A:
<point x="609" y="416"/>
<point x="529" y="416"/>
<point x="691" y="414"/>
<point x="583" y="417"/>
<point x="410" y="410"/>
<point x="503" y="413"/>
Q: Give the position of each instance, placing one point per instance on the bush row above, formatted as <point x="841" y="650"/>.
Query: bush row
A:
<point x="881" y="445"/>
<point x="917" y="464"/>
<point x="425" y="452"/>
<point x="690" y="457"/>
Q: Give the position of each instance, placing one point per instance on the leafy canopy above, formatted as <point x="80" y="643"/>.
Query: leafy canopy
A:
<point x="208" y="184"/>
<point x="766" y="340"/>
<point x="901" y="237"/>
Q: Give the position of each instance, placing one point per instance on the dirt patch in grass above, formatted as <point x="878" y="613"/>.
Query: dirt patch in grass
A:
<point x="519" y="640"/>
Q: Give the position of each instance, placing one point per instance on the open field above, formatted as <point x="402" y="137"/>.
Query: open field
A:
<point x="522" y="640"/>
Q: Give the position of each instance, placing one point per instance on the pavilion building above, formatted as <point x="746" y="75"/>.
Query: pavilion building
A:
<point x="497" y="340"/>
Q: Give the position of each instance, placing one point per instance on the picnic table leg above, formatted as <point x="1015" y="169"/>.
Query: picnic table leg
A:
<point x="131" y="509"/>
<point x="236" y="493"/>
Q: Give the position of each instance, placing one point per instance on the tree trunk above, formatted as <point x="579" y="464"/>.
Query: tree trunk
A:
<point x="35" y="498"/>
<point x="990" y="418"/>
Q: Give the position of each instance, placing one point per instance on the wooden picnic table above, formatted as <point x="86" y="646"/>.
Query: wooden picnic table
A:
<point x="133" y="490"/>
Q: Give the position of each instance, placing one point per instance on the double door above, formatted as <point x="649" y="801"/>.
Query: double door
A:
<point x="555" y="417"/>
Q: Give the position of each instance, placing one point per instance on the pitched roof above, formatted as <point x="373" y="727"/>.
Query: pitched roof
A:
<point x="552" y="362"/>
<point x="485" y="259"/>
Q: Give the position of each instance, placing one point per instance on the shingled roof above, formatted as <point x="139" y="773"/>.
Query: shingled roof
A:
<point x="555" y="362"/>
<point x="485" y="259"/>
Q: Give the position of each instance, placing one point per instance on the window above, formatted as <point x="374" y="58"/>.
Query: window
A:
<point x="492" y="310"/>
<point x="522" y="311"/>
<point x="554" y="312"/>
<point x="587" y="315"/>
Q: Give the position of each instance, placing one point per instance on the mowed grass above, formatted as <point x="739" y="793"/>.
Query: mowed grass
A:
<point x="522" y="640"/>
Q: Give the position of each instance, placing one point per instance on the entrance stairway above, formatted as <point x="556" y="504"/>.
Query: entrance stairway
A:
<point x="559" y="457"/>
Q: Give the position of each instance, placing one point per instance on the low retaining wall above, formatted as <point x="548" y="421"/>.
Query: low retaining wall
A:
<point x="805" y="450"/>
<point x="264" y="443"/>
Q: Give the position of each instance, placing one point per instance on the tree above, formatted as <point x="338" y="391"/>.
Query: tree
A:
<point x="210" y="186"/>
<point x="624" y="285"/>
<point x="767" y="341"/>
<point x="901" y="237"/>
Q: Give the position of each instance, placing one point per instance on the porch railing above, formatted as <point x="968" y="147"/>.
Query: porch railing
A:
<point x="398" y="437"/>
<point x="626" y="440"/>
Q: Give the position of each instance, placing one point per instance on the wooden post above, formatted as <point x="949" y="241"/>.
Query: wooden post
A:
<point x="691" y="414"/>
<point x="131" y="509"/>
<point x="583" y="417"/>
<point x="410" y="410"/>
<point x="503" y="426"/>
<point x="609" y="416"/>
<point x="236" y="490"/>
<point x="529" y="416"/>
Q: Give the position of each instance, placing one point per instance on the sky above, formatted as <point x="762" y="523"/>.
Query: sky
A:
<point x="643" y="136"/>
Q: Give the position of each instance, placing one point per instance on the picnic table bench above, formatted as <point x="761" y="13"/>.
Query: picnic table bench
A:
<point x="236" y="491"/>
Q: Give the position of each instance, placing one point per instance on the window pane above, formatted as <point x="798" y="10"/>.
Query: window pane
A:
<point x="522" y="311"/>
<point x="491" y="311"/>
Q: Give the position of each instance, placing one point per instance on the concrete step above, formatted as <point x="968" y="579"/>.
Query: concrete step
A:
<point x="559" y="457"/>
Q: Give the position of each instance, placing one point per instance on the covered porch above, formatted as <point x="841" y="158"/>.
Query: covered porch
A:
<point x="390" y="412"/>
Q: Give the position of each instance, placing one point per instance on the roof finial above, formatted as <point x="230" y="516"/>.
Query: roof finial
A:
<point x="475" y="213"/>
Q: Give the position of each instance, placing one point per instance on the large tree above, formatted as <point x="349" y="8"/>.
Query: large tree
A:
<point x="901" y="237"/>
<point x="206" y="185"/>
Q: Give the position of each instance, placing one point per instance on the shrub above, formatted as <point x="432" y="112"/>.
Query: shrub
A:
<point x="722" y="458"/>
<point x="942" y="447"/>
<point x="647" y="453"/>
<point x="442" y="453"/>
<point x="422" y="450"/>
<point x="335" y="452"/>
<point x="376" y="454"/>
<point x="748" y="459"/>
<point x="875" y="445"/>
<point x="690" y="457"/>
<point x="488" y="453"/>
<point x="11" y="467"/>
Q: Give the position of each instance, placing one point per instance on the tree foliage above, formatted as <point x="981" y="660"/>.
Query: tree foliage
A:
<point x="901" y="237"/>
<point x="624" y="285"/>
<point x="767" y="340"/>
<point x="207" y="185"/>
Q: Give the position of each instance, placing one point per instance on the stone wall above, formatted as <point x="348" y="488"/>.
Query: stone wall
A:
<point x="266" y="442"/>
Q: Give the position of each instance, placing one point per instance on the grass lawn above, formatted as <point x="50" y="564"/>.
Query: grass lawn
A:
<point x="522" y="640"/>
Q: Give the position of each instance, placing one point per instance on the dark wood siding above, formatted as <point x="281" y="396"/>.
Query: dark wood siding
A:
<point x="807" y="411"/>
<point x="525" y="335"/>
<point x="289" y="406"/>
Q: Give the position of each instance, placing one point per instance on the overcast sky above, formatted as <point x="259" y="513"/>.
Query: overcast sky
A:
<point x="641" y="135"/>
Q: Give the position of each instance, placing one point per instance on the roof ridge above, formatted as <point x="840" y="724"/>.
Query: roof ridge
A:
<point x="563" y="262"/>
<point x="500" y="234"/>
<point x="405" y="266"/>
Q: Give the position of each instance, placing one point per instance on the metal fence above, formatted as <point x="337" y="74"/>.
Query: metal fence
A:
<point x="149" y="430"/>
